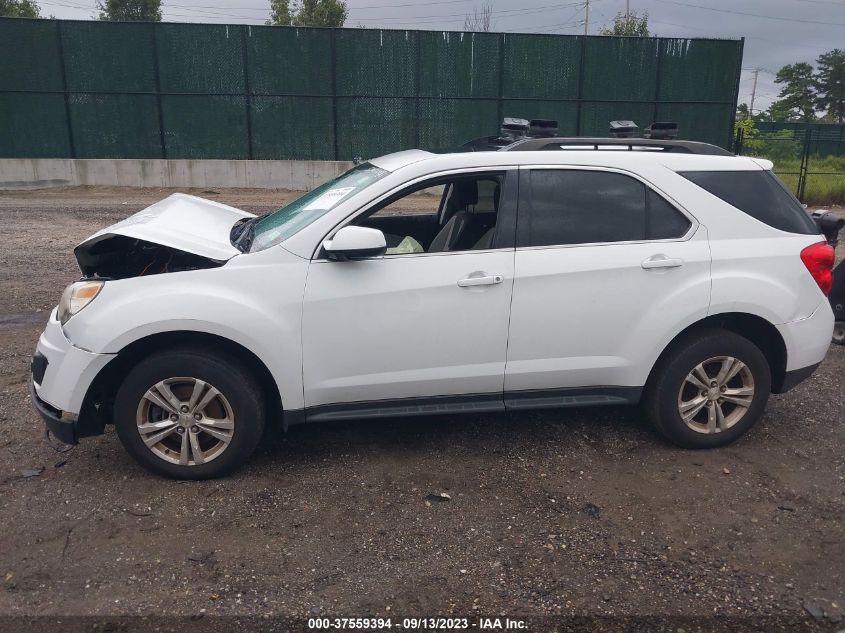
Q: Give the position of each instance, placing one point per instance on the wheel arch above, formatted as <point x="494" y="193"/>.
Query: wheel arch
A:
<point x="751" y="326"/>
<point x="97" y="406"/>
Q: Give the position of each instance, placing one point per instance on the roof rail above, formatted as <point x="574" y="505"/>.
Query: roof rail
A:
<point x="589" y="143"/>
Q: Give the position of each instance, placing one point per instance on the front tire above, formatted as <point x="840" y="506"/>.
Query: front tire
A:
<point x="708" y="389"/>
<point x="189" y="414"/>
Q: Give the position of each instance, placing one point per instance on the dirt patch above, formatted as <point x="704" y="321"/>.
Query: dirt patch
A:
<point x="137" y="197"/>
<point x="561" y="513"/>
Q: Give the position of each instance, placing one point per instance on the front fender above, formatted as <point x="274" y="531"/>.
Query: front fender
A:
<point x="257" y="307"/>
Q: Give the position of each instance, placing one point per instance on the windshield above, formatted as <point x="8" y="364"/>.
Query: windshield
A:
<point x="278" y="226"/>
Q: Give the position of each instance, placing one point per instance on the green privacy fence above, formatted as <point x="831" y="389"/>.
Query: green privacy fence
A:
<point x="825" y="139"/>
<point x="142" y="90"/>
<point x="804" y="157"/>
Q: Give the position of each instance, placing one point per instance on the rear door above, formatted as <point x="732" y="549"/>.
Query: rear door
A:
<point x="607" y="271"/>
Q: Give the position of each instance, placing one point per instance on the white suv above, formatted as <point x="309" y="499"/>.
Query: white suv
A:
<point x="418" y="283"/>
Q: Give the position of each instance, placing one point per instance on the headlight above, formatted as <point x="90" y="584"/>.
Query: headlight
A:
<point x="76" y="296"/>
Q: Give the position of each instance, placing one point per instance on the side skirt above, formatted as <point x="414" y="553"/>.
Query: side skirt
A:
<point x="571" y="397"/>
<point x="470" y="403"/>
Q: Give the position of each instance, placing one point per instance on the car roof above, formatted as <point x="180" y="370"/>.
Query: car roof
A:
<point x="615" y="158"/>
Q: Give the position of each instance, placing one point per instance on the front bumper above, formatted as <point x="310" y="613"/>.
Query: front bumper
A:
<point x="62" y="377"/>
<point x="63" y="430"/>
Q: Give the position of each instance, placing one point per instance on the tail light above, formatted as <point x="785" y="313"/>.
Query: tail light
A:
<point x="819" y="259"/>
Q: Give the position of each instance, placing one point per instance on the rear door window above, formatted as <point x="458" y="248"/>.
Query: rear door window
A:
<point x="572" y="206"/>
<point x="759" y="194"/>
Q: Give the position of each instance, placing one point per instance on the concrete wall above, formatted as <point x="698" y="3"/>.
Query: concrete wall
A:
<point x="39" y="173"/>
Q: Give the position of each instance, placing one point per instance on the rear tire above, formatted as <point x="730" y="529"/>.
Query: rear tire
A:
<point x="708" y="389"/>
<point x="189" y="414"/>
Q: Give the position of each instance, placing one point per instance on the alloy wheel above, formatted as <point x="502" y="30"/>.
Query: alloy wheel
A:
<point x="716" y="394"/>
<point x="185" y="421"/>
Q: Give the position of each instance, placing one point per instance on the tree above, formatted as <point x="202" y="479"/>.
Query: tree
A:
<point x="308" y="13"/>
<point x="628" y="24"/>
<point x="743" y="113"/>
<point x="797" y="98"/>
<point x="130" y="10"/>
<point x="480" y="21"/>
<point x="19" y="9"/>
<point x="780" y="110"/>
<point x="830" y="84"/>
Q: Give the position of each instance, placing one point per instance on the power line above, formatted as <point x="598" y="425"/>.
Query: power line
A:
<point x="87" y="7"/>
<point x="436" y="17"/>
<point x="555" y="27"/>
<point x="409" y="4"/>
<point x="748" y="37"/>
<point x="835" y="4"/>
<point x="266" y="9"/>
<point x="753" y="15"/>
<point x="207" y="12"/>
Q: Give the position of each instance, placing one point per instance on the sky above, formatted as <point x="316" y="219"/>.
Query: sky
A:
<point x="777" y="32"/>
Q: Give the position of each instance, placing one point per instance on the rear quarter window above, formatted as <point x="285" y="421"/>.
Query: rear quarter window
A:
<point x="757" y="193"/>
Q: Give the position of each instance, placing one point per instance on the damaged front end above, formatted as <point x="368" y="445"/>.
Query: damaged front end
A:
<point x="120" y="257"/>
<point x="179" y="233"/>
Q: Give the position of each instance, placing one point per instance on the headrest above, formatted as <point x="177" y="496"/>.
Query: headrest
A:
<point x="465" y="193"/>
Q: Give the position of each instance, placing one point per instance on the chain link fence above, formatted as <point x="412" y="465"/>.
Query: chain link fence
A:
<point x="145" y="90"/>
<point x="809" y="160"/>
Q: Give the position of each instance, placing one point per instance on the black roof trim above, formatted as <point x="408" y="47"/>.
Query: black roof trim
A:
<point x="553" y="144"/>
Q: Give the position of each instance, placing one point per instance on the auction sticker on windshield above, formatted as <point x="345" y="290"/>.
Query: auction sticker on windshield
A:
<point x="327" y="200"/>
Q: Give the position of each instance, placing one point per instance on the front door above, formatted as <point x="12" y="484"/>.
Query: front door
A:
<point x="427" y="323"/>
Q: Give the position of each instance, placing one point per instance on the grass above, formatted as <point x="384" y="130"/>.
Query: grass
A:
<point x="825" y="178"/>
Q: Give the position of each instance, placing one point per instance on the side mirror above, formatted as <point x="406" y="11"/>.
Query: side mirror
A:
<point x="355" y="242"/>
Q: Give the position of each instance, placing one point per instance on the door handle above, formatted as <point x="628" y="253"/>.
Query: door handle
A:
<point x="661" y="261"/>
<point x="487" y="280"/>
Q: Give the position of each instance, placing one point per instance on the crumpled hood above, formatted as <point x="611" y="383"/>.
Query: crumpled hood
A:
<point x="186" y="223"/>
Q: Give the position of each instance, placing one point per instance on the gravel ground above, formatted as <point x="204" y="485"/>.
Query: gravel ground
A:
<point x="579" y="512"/>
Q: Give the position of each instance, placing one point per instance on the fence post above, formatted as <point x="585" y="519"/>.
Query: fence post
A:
<point x="739" y="141"/>
<point x="71" y="143"/>
<point x="658" y="79"/>
<point x="417" y="93"/>
<point x="580" y="94"/>
<point x="500" y="101"/>
<point x="334" y="92"/>
<point x="805" y="160"/>
<point x="245" y="56"/>
<point x="161" y="139"/>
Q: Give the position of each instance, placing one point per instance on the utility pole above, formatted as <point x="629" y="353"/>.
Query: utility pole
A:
<point x="627" y="9"/>
<point x="586" y="16"/>
<point x="753" y="93"/>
